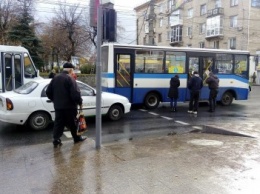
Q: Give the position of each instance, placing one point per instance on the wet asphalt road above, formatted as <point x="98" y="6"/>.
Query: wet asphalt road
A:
<point x="241" y="118"/>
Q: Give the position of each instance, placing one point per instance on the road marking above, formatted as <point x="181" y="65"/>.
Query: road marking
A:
<point x="168" y="118"/>
<point x="67" y="134"/>
<point x="183" y="123"/>
<point x="143" y="110"/>
<point x="152" y="113"/>
<point x="197" y="127"/>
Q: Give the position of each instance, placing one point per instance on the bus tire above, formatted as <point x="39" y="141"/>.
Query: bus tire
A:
<point x="227" y="99"/>
<point x="151" y="101"/>
<point x="39" y="121"/>
<point x="115" y="112"/>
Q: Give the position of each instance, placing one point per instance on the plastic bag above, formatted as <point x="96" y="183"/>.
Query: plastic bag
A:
<point x="82" y="125"/>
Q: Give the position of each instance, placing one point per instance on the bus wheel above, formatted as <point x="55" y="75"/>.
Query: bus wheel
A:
<point x="151" y="101"/>
<point x="226" y="99"/>
<point x="115" y="112"/>
<point x="39" y="121"/>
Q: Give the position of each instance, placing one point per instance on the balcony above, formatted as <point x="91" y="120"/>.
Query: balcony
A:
<point x="176" y="41"/>
<point x="214" y="33"/>
<point x="216" y="11"/>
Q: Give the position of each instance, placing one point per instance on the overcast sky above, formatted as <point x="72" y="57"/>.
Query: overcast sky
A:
<point x="125" y="14"/>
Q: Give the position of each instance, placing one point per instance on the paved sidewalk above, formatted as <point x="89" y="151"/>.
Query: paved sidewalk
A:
<point x="188" y="163"/>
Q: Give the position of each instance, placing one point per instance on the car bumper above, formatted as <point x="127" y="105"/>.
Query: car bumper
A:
<point x="127" y="107"/>
<point x="14" y="118"/>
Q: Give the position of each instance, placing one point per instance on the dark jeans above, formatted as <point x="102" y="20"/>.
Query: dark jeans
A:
<point x="194" y="100"/>
<point x="65" y="118"/>
<point x="212" y="99"/>
<point x="173" y="102"/>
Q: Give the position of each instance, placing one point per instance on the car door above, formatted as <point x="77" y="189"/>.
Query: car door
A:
<point x="89" y="99"/>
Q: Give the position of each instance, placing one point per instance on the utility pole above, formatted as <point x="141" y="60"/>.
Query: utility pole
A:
<point x="151" y="18"/>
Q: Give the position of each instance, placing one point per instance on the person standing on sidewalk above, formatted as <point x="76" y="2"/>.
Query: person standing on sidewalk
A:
<point x="195" y="84"/>
<point x="213" y="83"/>
<point x="66" y="97"/>
<point x="173" y="93"/>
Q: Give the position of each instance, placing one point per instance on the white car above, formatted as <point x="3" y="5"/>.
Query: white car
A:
<point x="29" y="104"/>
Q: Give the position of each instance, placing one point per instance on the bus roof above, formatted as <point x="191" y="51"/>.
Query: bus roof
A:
<point x="184" y="49"/>
<point x="6" y="48"/>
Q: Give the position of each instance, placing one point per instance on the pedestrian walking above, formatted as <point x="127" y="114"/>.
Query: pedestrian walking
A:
<point x="173" y="93"/>
<point x="65" y="95"/>
<point x="213" y="83"/>
<point x="195" y="84"/>
<point x="254" y="77"/>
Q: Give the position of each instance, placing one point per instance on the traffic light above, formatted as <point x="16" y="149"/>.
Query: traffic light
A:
<point x="109" y="25"/>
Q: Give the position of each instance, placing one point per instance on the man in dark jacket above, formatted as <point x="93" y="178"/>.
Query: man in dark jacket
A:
<point x="173" y="93"/>
<point x="65" y="95"/>
<point x="212" y="82"/>
<point x="195" y="84"/>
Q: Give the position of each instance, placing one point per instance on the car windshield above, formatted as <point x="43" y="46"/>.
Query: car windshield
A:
<point x="26" y="88"/>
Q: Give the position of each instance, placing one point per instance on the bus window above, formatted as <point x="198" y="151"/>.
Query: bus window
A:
<point x="175" y="62"/>
<point x="29" y="70"/>
<point x="17" y="71"/>
<point x="193" y="65"/>
<point x="241" y="65"/>
<point x="149" y="61"/>
<point x="224" y="64"/>
<point x="207" y="67"/>
<point x="104" y="59"/>
<point x="123" y="70"/>
<point x="8" y="72"/>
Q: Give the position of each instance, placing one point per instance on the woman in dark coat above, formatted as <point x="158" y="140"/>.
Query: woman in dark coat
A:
<point x="173" y="93"/>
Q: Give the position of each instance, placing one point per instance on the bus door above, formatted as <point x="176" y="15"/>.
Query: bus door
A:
<point x="203" y="65"/>
<point x="11" y="71"/>
<point x="123" y="66"/>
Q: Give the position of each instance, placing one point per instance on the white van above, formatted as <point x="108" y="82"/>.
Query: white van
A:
<point x="16" y="67"/>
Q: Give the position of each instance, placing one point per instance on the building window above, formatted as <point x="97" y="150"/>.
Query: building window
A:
<point x="232" y="43"/>
<point x="216" y="44"/>
<point x="189" y="31"/>
<point x="190" y="13"/>
<point x="233" y="21"/>
<point x="203" y="9"/>
<point x="202" y="28"/>
<point x="233" y="3"/>
<point x="159" y="37"/>
<point x="255" y="3"/>
<point x="176" y="34"/>
<point x="214" y="26"/>
<point x="146" y="27"/>
<point x="160" y="22"/>
<point x="202" y="45"/>
<point x="218" y="3"/>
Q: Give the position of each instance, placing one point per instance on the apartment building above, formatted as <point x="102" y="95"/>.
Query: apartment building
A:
<point x="220" y="24"/>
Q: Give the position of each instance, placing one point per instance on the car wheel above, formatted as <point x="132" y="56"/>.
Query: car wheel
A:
<point x="226" y="99"/>
<point x="39" y="120"/>
<point x="151" y="101"/>
<point x="115" y="112"/>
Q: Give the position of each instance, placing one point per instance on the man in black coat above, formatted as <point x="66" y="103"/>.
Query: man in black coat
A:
<point x="195" y="84"/>
<point x="66" y="97"/>
<point x="173" y="93"/>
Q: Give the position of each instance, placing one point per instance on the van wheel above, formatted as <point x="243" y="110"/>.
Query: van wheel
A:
<point x="227" y="99"/>
<point x="39" y="121"/>
<point x="151" y="101"/>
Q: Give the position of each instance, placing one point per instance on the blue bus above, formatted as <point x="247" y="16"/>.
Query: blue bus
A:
<point x="142" y="73"/>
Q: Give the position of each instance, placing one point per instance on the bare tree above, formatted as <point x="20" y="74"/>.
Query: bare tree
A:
<point x="7" y="18"/>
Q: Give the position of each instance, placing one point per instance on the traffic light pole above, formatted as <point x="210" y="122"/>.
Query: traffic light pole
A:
<point x="98" y="78"/>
